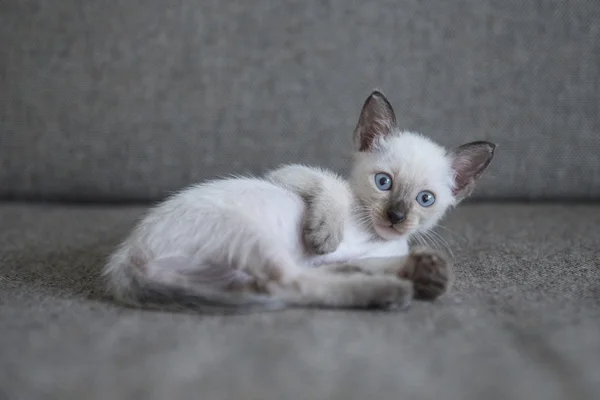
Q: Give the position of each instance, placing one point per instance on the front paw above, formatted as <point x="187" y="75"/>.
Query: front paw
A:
<point x="323" y="232"/>
<point x="430" y="273"/>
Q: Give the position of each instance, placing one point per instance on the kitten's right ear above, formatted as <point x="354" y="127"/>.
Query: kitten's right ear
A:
<point x="377" y="119"/>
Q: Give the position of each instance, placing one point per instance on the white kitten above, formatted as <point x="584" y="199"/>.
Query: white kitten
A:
<point x="302" y="236"/>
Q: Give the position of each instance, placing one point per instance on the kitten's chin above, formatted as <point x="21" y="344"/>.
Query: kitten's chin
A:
<point x="387" y="232"/>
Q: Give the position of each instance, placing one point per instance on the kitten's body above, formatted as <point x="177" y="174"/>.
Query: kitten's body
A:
<point x="206" y="231"/>
<point x="300" y="236"/>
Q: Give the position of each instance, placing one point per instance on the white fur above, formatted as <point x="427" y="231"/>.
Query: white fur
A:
<point x="417" y="164"/>
<point x="243" y="221"/>
<point x="225" y="222"/>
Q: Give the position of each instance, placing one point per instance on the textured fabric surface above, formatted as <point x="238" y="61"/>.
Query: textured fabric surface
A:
<point x="142" y="97"/>
<point x="522" y="322"/>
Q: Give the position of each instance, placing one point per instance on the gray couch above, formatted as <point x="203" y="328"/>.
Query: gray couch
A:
<point x="105" y="107"/>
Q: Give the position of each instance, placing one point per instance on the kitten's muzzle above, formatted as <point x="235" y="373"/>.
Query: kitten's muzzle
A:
<point x="396" y="217"/>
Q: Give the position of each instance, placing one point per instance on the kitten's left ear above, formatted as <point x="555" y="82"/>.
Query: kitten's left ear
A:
<point x="377" y="119"/>
<point x="468" y="162"/>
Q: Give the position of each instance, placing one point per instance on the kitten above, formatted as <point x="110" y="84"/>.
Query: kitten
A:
<point x="302" y="236"/>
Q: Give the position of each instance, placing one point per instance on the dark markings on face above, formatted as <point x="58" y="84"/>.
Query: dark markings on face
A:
<point x="398" y="204"/>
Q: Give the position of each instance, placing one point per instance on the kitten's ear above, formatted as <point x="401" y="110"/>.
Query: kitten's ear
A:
<point x="468" y="162"/>
<point x="377" y="118"/>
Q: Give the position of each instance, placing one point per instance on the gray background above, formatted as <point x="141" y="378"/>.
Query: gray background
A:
<point x="132" y="100"/>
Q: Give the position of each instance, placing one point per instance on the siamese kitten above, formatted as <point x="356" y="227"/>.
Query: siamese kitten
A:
<point x="303" y="236"/>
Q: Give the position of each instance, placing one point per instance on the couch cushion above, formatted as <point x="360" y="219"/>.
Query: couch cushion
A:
<point x="143" y="97"/>
<point x="521" y="323"/>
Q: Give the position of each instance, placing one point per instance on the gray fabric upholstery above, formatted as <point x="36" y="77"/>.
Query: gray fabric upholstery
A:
<point x="131" y="100"/>
<point x="522" y="322"/>
<point x="138" y="98"/>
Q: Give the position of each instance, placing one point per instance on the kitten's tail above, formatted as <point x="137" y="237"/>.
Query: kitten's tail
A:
<point x="133" y="286"/>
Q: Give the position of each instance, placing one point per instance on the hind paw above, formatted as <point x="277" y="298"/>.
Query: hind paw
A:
<point x="429" y="272"/>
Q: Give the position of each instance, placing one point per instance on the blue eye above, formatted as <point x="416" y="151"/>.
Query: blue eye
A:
<point x="383" y="181"/>
<point x="425" y="198"/>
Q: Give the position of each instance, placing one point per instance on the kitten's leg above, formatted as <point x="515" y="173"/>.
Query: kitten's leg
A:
<point x="319" y="288"/>
<point x="428" y="270"/>
<point x="328" y="201"/>
<point x="280" y="277"/>
<point x="250" y="264"/>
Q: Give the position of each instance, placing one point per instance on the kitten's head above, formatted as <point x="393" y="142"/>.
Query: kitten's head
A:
<point x="404" y="181"/>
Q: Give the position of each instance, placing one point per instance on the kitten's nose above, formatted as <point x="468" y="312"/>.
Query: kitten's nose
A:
<point x="395" y="216"/>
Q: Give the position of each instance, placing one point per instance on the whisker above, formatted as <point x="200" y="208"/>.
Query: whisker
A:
<point x="442" y="242"/>
<point x="432" y="243"/>
<point x="422" y="240"/>
<point x="440" y="237"/>
<point x="453" y="233"/>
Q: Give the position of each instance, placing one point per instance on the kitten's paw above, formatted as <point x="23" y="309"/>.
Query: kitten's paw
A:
<point x="323" y="232"/>
<point x="430" y="273"/>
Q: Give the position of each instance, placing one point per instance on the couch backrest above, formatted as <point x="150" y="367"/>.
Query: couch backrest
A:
<point x="133" y="99"/>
